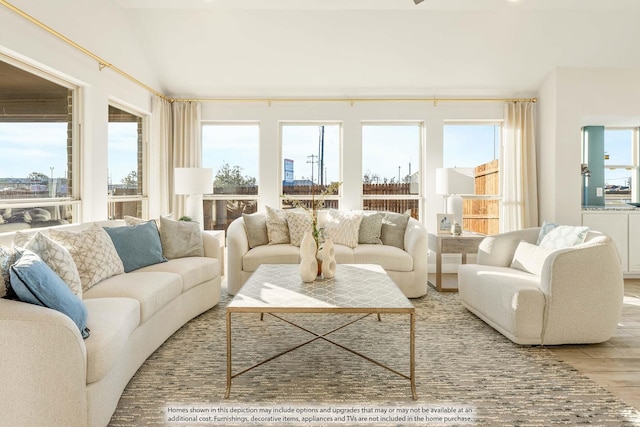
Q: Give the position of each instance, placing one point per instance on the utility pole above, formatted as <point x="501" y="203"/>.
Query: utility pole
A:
<point x="399" y="175"/>
<point x="313" y="160"/>
<point x="321" y="157"/>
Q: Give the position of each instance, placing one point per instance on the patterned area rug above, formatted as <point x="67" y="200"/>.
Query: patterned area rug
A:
<point x="461" y="365"/>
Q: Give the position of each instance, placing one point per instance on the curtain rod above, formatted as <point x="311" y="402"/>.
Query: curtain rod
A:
<point x="105" y="64"/>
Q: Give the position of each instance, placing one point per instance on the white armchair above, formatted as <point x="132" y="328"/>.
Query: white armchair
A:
<point x="576" y="298"/>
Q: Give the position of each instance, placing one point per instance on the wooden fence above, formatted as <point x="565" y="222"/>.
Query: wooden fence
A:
<point x="483" y="216"/>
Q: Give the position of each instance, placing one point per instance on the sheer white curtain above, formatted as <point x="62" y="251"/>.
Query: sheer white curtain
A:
<point x="161" y="135"/>
<point x="186" y="145"/>
<point x="519" y="179"/>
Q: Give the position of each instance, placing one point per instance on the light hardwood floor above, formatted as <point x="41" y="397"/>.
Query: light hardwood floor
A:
<point x="615" y="364"/>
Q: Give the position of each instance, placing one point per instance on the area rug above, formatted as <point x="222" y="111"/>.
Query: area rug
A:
<point x="466" y="372"/>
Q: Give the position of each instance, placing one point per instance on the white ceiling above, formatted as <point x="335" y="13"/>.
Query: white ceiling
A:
<point x="271" y="48"/>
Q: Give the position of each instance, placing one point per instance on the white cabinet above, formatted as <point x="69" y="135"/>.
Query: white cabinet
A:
<point x="624" y="228"/>
<point x="634" y="242"/>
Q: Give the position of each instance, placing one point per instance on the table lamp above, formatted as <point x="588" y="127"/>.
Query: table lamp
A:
<point x="194" y="182"/>
<point x="451" y="182"/>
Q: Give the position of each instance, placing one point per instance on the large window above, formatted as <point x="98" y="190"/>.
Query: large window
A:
<point x="475" y="148"/>
<point x="37" y="186"/>
<point x="391" y="167"/>
<point x="620" y="165"/>
<point x="126" y="144"/>
<point x="310" y="161"/>
<point x="232" y="151"/>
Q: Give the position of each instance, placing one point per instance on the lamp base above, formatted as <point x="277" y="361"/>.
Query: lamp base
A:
<point x="454" y="207"/>
<point x="193" y="209"/>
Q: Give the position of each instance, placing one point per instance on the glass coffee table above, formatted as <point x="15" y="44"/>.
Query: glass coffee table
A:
<point x="356" y="289"/>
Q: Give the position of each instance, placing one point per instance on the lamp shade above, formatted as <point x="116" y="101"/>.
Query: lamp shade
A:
<point x="193" y="180"/>
<point x="454" y="181"/>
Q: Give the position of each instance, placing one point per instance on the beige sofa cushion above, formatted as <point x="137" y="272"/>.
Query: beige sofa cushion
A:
<point x="270" y="254"/>
<point x="111" y="321"/>
<point x="388" y="257"/>
<point x="152" y="289"/>
<point x="344" y="254"/>
<point x="193" y="270"/>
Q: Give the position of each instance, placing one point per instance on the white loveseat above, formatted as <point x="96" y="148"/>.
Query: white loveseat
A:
<point x="575" y="299"/>
<point x="407" y="267"/>
<point x="50" y="376"/>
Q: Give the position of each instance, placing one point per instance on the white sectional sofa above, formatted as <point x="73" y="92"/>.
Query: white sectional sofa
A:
<point x="407" y="267"/>
<point x="535" y="295"/>
<point x="51" y="376"/>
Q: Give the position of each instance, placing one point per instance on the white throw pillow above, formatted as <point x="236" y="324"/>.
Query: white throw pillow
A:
<point x="93" y="253"/>
<point x="530" y="258"/>
<point x="561" y="236"/>
<point x="342" y="227"/>
<point x="56" y="256"/>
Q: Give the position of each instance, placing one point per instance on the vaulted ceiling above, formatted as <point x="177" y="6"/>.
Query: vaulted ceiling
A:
<point x="218" y="48"/>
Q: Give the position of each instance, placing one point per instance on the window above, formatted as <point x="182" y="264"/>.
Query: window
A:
<point x="310" y="161"/>
<point x="126" y="164"/>
<point x="391" y="167"/>
<point x="232" y="151"/>
<point x="37" y="185"/>
<point x="620" y="165"/>
<point x="476" y="147"/>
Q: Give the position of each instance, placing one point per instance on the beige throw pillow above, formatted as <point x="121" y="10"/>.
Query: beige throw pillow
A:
<point x="298" y="222"/>
<point x="180" y="238"/>
<point x="93" y="253"/>
<point x="530" y="258"/>
<point x="277" y="228"/>
<point x="256" y="226"/>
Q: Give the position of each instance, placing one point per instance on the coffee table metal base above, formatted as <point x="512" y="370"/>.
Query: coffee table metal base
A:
<point x="410" y="377"/>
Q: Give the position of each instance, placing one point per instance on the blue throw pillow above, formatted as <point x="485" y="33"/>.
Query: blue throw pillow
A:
<point x="137" y="245"/>
<point x="35" y="282"/>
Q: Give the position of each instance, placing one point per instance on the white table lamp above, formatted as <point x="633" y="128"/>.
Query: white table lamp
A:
<point x="194" y="182"/>
<point x="452" y="182"/>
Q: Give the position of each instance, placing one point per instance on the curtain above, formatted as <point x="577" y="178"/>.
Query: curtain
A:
<point x="186" y="151"/>
<point x="519" y="178"/>
<point x="161" y="135"/>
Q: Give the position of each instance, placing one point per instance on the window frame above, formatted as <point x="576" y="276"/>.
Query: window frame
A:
<point x="634" y="167"/>
<point x="212" y="197"/>
<point x="73" y="200"/>
<point x="308" y="197"/>
<point x="419" y="197"/>
<point x="144" y="197"/>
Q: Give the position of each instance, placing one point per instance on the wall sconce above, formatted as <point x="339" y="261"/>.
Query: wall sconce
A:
<point x="194" y="182"/>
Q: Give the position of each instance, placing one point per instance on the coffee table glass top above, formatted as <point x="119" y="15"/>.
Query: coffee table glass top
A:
<point x="355" y="286"/>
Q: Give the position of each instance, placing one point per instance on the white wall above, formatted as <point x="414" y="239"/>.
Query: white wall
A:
<point x="569" y="100"/>
<point x="24" y="41"/>
<point x="351" y="118"/>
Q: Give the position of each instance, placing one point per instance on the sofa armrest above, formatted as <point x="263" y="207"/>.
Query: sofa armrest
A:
<point x="416" y="244"/>
<point x="43" y="369"/>
<point x="582" y="284"/>
<point x="213" y="244"/>
<point x="237" y="247"/>
<point x="498" y="250"/>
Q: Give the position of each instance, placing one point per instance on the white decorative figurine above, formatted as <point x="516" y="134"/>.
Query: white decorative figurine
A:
<point x="328" y="259"/>
<point x="308" y="262"/>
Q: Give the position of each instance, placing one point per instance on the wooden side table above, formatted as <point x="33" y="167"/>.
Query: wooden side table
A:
<point x="467" y="243"/>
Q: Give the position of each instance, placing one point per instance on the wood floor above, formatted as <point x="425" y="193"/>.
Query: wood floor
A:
<point x="615" y="364"/>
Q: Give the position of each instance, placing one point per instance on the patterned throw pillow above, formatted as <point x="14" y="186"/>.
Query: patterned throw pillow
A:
<point x="93" y="253"/>
<point x="342" y="227"/>
<point x="56" y="256"/>
<point x="7" y="259"/>
<point x="370" y="228"/>
<point x="277" y="228"/>
<point x="298" y="222"/>
<point x="553" y="236"/>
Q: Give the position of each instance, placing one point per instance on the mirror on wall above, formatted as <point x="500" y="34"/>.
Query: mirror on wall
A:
<point x="609" y="167"/>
